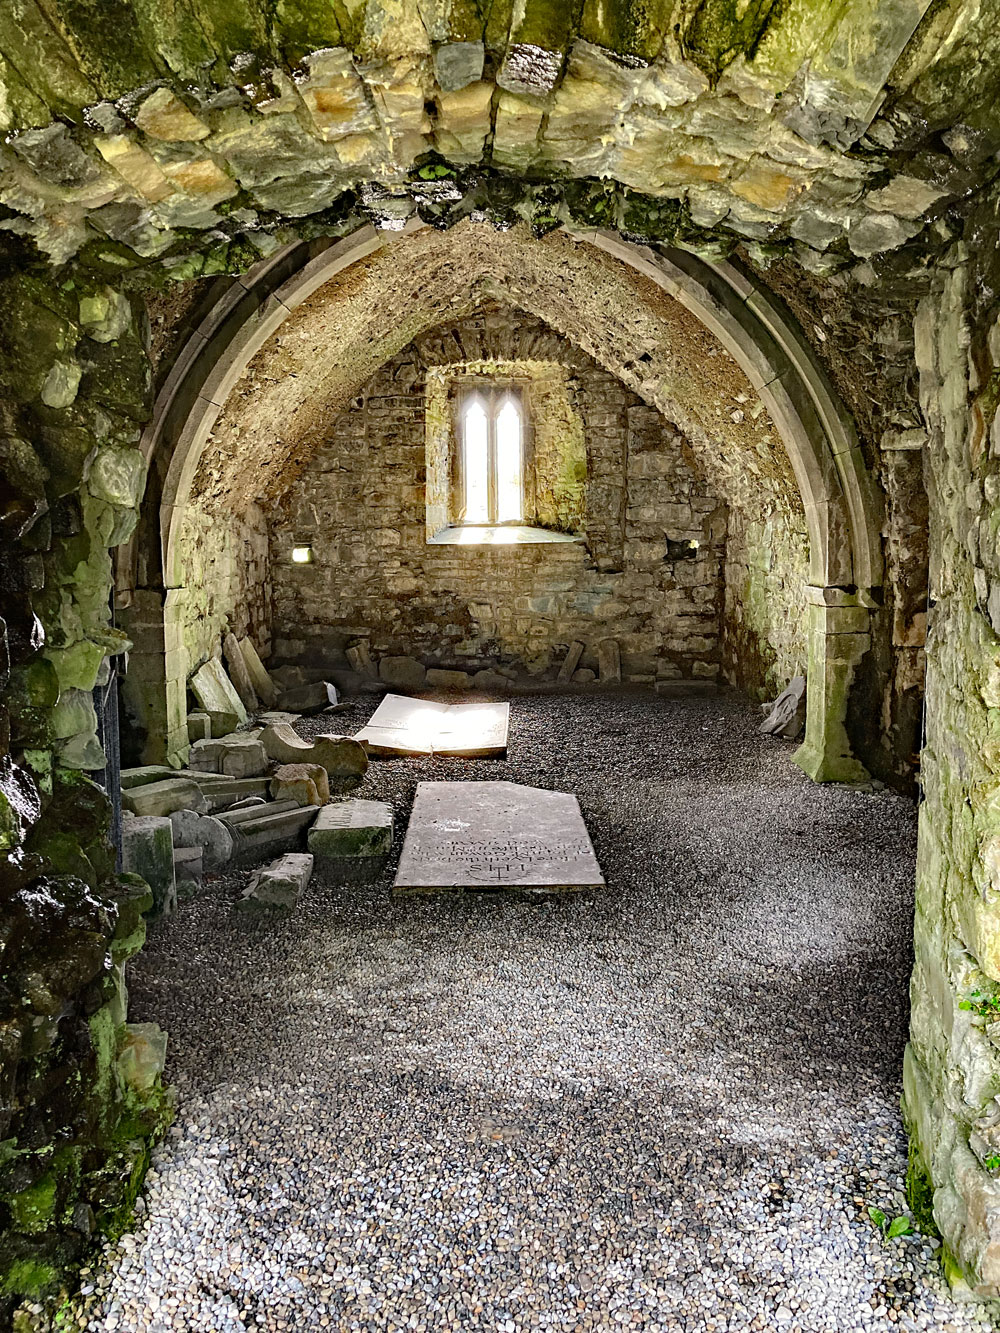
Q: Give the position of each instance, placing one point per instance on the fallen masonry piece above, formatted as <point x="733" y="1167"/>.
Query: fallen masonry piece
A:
<point x="268" y="829"/>
<point x="148" y="850"/>
<point x="278" y="885"/>
<point x="352" y="839"/>
<point x="163" y="798"/>
<point x="308" y="784"/>
<point x="141" y="777"/>
<point x="419" y="726"/>
<point x="341" y="756"/>
<point x="238" y="673"/>
<point x="352" y="828"/>
<point x="239" y="756"/>
<point x="786" y="717"/>
<point x="214" y="691"/>
<point x="310" y="698"/>
<point x="221" y="792"/>
<point x="496" y="835"/>
<point x="256" y="670"/>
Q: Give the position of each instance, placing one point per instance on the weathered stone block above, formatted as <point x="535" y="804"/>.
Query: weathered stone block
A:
<point x="271" y="831"/>
<point x="140" y="777"/>
<point x="185" y="825"/>
<point x="403" y="673"/>
<point x="352" y="828"/>
<point x="609" y="660"/>
<point x="262" y="683"/>
<point x="341" y="756"/>
<point x="279" y="885"/>
<point x="571" y="661"/>
<point x="439" y="679"/>
<point x="238" y="673"/>
<point x="215" y="693"/>
<point x="309" y="698"/>
<point x="148" y="851"/>
<point x="307" y="784"/>
<point x="199" y="727"/>
<point x="163" y="798"/>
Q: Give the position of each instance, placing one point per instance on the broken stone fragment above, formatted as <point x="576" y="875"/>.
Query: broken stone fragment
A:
<point x="275" y="718"/>
<point x="403" y="673"/>
<point x="352" y="829"/>
<point x="223" y="723"/>
<point x="239" y="756"/>
<point x="341" y="756"/>
<point x="238" y="673"/>
<point x="360" y="659"/>
<point x="223" y="792"/>
<point x="140" y="777"/>
<point x="163" y="798"/>
<point x="215" y="693"/>
<point x="787" y="715"/>
<point x="148" y="851"/>
<point x="609" y="661"/>
<point x="306" y="784"/>
<point x="490" y="680"/>
<point x="279" y="885"/>
<point x="243" y="757"/>
<point x="439" y="679"/>
<point x="199" y="726"/>
<point x="262" y="683"/>
<point x="185" y="828"/>
<point x="573" y="654"/>
<point x="269" y="830"/>
<point x="216" y="842"/>
<point x="310" y="698"/>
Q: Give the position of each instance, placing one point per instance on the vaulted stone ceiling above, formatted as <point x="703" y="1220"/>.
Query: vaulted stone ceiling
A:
<point x="279" y="412"/>
<point x="140" y="129"/>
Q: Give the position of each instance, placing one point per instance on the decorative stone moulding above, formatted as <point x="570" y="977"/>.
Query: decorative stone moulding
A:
<point x="840" y="502"/>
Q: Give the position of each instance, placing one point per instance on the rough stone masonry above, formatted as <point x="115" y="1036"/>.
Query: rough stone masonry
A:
<point x="792" y="203"/>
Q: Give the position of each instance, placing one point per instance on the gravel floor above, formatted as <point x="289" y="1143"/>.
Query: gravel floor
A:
<point x="664" y="1106"/>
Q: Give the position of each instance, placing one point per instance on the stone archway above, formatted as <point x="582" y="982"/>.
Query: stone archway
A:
<point x="829" y="472"/>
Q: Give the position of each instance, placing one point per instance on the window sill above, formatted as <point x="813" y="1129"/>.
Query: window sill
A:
<point x="502" y="534"/>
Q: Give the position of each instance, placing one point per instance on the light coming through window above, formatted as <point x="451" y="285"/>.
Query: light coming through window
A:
<point x="492" y="458"/>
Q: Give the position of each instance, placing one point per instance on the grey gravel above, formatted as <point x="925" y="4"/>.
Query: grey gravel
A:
<point x="661" y="1106"/>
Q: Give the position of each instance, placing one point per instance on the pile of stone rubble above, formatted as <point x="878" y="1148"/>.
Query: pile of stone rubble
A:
<point x="252" y="794"/>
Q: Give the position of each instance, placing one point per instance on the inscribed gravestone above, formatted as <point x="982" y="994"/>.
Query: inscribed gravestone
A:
<point x="492" y="835"/>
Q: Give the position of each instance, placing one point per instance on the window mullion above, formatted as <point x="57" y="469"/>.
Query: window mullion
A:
<point x="491" y="436"/>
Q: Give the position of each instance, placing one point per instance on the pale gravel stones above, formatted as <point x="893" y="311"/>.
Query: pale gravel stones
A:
<point x="661" y="1109"/>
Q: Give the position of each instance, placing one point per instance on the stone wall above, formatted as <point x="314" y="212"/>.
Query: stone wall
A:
<point x="79" y="1089"/>
<point x="361" y="504"/>
<point x="764" y="633"/>
<point x="952" y="1068"/>
<point x="226" y="577"/>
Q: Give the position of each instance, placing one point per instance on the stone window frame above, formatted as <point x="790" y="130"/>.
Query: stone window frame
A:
<point x="460" y="390"/>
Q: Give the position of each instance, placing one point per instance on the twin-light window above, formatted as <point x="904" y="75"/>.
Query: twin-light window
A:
<point x="491" y="458"/>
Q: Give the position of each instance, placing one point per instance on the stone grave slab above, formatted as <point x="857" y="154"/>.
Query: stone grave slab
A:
<point x="496" y="835"/>
<point x="419" y="726"/>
